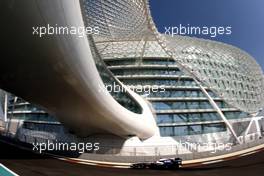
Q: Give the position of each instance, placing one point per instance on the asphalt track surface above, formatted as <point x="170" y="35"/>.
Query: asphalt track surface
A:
<point x="25" y="163"/>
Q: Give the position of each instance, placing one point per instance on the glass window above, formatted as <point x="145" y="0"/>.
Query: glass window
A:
<point x="213" y="128"/>
<point x="194" y="117"/>
<point x="195" y="129"/>
<point x="210" y="116"/>
<point x="166" y="131"/>
<point x="235" y="115"/>
<point x="181" y="131"/>
<point x="165" y="118"/>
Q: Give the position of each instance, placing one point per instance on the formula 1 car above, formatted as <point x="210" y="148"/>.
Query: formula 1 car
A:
<point x="165" y="163"/>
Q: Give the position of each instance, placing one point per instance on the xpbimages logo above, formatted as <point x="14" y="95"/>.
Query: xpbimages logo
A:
<point x="79" y="31"/>
<point x="143" y="90"/>
<point x="212" y="31"/>
<point x="49" y="146"/>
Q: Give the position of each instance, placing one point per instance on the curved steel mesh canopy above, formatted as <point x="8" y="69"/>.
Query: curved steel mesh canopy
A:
<point x="230" y="72"/>
<point x="127" y="30"/>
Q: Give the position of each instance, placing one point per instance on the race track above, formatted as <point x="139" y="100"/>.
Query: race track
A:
<point x="25" y="163"/>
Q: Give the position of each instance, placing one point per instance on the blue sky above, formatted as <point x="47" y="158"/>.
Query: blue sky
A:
<point x="246" y="17"/>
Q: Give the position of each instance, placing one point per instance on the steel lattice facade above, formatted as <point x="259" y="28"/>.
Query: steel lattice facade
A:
<point x="229" y="71"/>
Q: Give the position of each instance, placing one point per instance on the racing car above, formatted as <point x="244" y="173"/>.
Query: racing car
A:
<point x="164" y="163"/>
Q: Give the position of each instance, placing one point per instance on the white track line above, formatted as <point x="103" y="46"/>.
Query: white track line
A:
<point x="8" y="170"/>
<point x="249" y="153"/>
<point x="212" y="162"/>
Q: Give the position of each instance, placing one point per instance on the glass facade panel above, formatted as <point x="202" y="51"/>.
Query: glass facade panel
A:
<point x="123" y="98"/>
<point x="24" y="107"/>
<point x="180" y="131"/>
<point x="210" y="117"/>
<point x="172" y="118"/>
<point x="195" y="117"/>
<point x="181" y="105"/>
<point x="192" y="129"/>
<point x="175" y="93"/>
<point x="213" y="128"/>
<point x="121" y="72"/>
<point x="131" y="61"/>
<point x="222" y="104"/>
<point x="32" y="117"/>
<point x="236" y="115"/>
<point x="43" y="127"/>
<point x="187" y="117"/>
<point x="167" y="82"/>
<point x="167" y="131"/>
<point x="195" y="129"/>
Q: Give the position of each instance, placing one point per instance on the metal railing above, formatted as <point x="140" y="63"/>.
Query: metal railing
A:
<point x="115" y="151"/>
